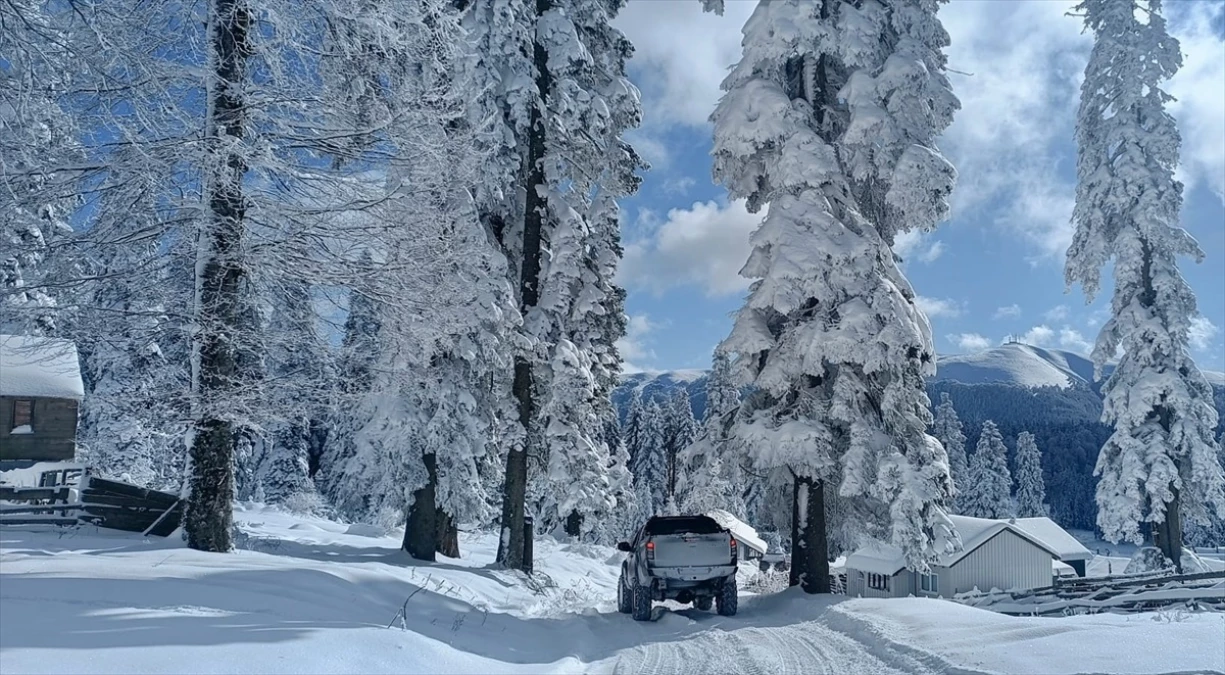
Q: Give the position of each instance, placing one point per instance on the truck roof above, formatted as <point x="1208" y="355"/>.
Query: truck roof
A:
<point x="683" y="525"/>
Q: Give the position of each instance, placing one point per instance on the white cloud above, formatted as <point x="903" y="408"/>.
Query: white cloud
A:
<point x="938" y="306"/>
<point x="632" y="347"/>
<point x="1026" y="60"/>
<point x="1039" y="336"/>
<point x="1064" y="338"/>
<point x="1011" y="311"/>
<point x="970" y="342"/>
<point x="681" y="55"/>
<point x="1070" y="338"/>
<point x="1056" y="313"/>
<point x="1201" y="333"/>
<point x="679" y="186"/>
<point x="704" y="246"/>
<point x="1199" y="88"/>
<point x="915" y="245"/>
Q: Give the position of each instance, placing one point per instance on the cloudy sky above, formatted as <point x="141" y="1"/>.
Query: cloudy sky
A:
<point x="996" y="267"/>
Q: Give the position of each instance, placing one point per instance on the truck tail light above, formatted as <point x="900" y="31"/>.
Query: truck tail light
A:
<point x="650" y="551"/>
<point x="733" y="550"/>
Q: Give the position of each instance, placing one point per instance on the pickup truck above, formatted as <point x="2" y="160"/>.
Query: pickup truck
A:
<point x="682" y="558"/>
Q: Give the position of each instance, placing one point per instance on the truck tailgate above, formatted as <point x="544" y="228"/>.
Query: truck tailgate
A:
<point x="692" y="550"/>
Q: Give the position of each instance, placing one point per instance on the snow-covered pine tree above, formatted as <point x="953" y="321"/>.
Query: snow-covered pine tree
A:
<point x="300" y="354"/>
<point x="631" y="430"/>
<point x="988" y="492"/>
<point x="948" y="430"/>
<point x="680" y="433"/>
<point x="711" y="475"/>
<point x="1031" y="486"/>
<point x="829" y="118"/>
<point x="1159" y="466"/>
<point x="553" y="101"/>
<point x="650" y="467"/>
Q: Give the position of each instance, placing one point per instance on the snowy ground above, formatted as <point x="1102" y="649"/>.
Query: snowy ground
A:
<point x="307" y="597"/>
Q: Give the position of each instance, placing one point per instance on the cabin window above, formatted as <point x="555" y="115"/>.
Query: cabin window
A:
<point x="23" y="415"/>
<point x="878" y="582"/>
<point x="929" y="583"/>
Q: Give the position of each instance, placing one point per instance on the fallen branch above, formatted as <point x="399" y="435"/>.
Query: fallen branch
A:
<point x="403" y="613"/>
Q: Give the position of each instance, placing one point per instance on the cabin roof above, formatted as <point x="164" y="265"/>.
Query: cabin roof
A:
<point x="39" y="367"/>
<point x="1058" y="539"/>
<point x="881" y="558"/>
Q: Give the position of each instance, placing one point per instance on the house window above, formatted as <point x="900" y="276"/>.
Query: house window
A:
<point x="929" y="583"/>
<point x="878" y="582"/>
<point x="23" y="415"/>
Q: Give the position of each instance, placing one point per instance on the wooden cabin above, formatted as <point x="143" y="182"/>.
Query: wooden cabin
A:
<point x="40" y="394"/>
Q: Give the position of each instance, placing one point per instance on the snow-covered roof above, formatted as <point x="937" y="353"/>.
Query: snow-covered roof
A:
<point x="739" y="529"/>
<point x="36" y="366"/>
<point x="1065" y="546"/>
<point x="877" y="558"/>
<point x="1062" y="569"/>
<point x="881" y="558"/>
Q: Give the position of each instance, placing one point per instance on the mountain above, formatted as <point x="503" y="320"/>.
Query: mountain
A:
<point x="1048" y="392"/>
<point x="660" y="386"/>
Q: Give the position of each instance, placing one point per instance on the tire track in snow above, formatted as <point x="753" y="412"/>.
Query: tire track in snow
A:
<point x="801" y="649"/>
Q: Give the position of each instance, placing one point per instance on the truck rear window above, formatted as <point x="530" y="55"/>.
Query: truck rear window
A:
<point x="683" y="525"/>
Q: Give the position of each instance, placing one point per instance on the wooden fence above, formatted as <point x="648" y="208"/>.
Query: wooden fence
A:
<point x="1115" y="594"/>
<point x="105" y="503"/>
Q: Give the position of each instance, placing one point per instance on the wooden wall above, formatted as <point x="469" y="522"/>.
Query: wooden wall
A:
<point x="55" y="430"/>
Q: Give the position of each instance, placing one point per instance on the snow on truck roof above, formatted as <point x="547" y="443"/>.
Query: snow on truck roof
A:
<point x="881" y="558"/>
<point x="39" y="367"/>
<point x="739" y="529"/>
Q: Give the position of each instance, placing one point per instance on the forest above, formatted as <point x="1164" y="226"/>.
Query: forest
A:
<point x="359" y="259"/>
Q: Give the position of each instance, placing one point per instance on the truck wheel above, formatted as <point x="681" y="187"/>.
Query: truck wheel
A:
<point x="728" y="597"/>
<point x="625" y="603"/>
<point x="642" y="603"/>
<point x="703" y="603"/>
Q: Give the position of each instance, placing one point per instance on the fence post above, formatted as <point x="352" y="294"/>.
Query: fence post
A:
<point x="529" y="534"/>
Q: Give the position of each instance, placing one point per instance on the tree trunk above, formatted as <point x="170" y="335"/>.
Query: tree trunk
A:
<point x="1167" y="535"/>
<point x="511" y="542"/>
<point x="809" y="559"/>
<point x="447" y="539"/>
<point x="210" y="514"/>
<point x="574" y="524"/>
<point x="795" y="571"/>
<point x="421" y="530"/>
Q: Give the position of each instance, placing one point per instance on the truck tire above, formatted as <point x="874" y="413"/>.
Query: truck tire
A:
<point x="728" y="598"/>
<point x="625" y="602"/>
<point x="642" y="603"/>
<point x="703" y="603"/>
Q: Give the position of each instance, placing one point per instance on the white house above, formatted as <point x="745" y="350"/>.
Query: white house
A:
<point x="1067" y="549"/>
<point x="749" y="546"/>
<point x="994" y="554"/>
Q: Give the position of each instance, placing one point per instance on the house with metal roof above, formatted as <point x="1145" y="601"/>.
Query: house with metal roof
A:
<point x="994" y="554"/>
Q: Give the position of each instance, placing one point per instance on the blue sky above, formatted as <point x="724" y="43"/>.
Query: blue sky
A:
<point x="996" y="267"/>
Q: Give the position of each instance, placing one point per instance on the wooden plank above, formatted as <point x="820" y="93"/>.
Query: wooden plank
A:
<point x="167" y="523"/>
<point x="34" y="520"/>
<point x="37" y="508"/>
<point x="107" y="499"/>
<point x="164" y="499"/>
<point x="14" y="494"/>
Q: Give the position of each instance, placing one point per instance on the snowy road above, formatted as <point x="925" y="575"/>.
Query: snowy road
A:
<point x="741" y="646"/>
<point x="313" y="596"/>
<point x="804" y="648"/>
